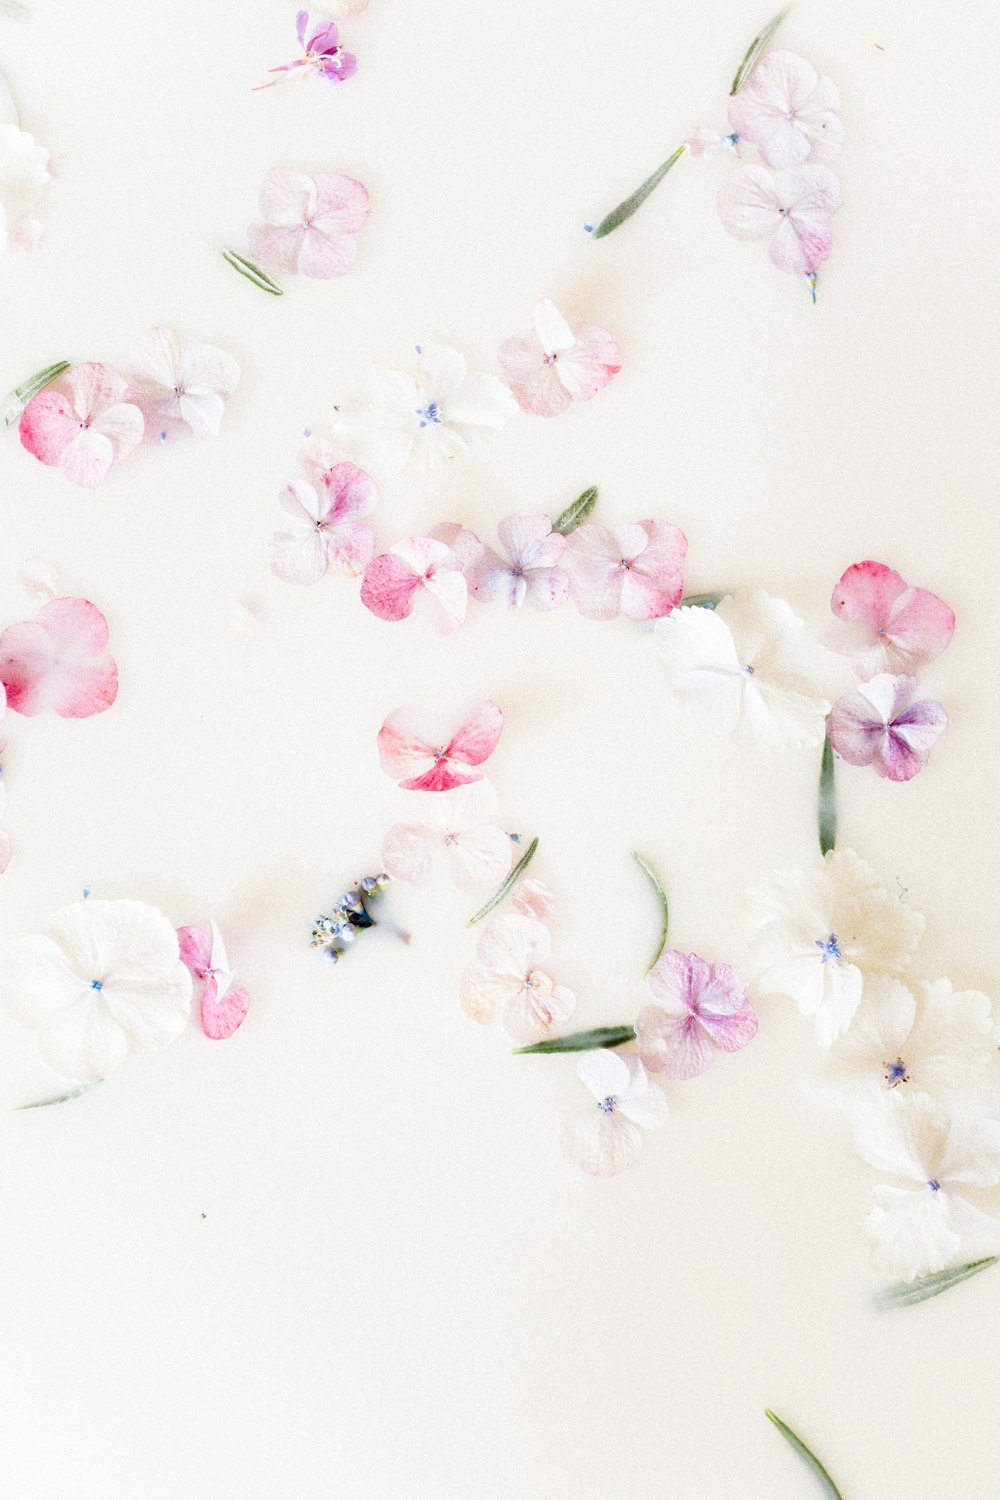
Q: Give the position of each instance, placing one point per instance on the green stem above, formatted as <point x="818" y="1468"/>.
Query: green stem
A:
<point x="583" y="1041"/>
<point x="628" y="206"/>
<point x="754" y="50"/>
<point x="252" y="273"/>
<point x="910" y="1292"/>
<point x="661" y="895"/>
<point x="807" y="1454"/>
<point x="827" y="801"/>
<point x="508" y="885"/>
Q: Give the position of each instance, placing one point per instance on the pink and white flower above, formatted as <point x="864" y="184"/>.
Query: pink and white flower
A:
<point x="82" y="423"/>
<point x="310" y="223"/>
<point x="420" y="766"/>
<point x="394" y="580"/>
<point x="223" y="1005"/>
<point x="460" y="835"/>
<point x="632" y="570"/>
<point x="609" y="1139"/>
<point x="557" y="364"/>
<point x="325" y="529"/>
<point x="59" y="662"/>
<point x="890" y="627"/>
<point x="788" y="112"/>
<point x="928" y="1219"/>
<point x="177" y="378"/>
<point x="699" y="1007"/>
<point x="794" y="206"/>
<point x="701" y="140"/>
<point x="507" y="981"/>
<point x="883" y="724"/>
<point x="322" y="52"/>
<point x="529" y="570"/>
<point x="419" y="421"/>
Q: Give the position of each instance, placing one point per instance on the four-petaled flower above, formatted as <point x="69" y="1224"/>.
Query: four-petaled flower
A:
<point x="881" y="725"/>
<point x="419" y="766"/>
<point x="322" y="51"/>
<point x="82" y="423"/>
<point x="889" y="626"/>
<point x="798" y="204"/>
<point x="310" y="223"/>
<point x="823" y="932"/>
<point x="223" y="1005"/>
<point x="102" y="979"/>
<point x="461" y="836"/>
<point x="177" y="378"/>
<point x="530" y="569"/>
<point x="609" y="1139"/>
<point x="931" y="1222"/>
<point x="395" y="579"/>
<point x="935" y="1040"/>
<point x="557" y="364"/>
<point x="738" y="670"/>
<point x="325" y="529"/>
<point x="788" y="112"/>
<point x="507" y="980"/>
<point x="418" y="420"/>
<point x="59" y="662"/>
<point x="632" y="570"/>
<point x="698" y="1006"/>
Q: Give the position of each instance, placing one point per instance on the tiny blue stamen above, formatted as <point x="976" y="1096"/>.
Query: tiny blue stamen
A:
<point x="730" y="142"/>
<point x="307" y="432"/>
<point x="419" y="348"/>
<point x="934" y="1185"/>
<point x="588" y="228"/>
<point x="607" y="1105"/>
<point x="429" y="414"/>
<point x="895" y="1073"/>
<point x="748" y="671"/>
<point x="163" y="437"/>
<point x="811" y="284"/>
<point x="86" y="892"/>
<point x="829" y="948"/>
<point x="97" y="984"/>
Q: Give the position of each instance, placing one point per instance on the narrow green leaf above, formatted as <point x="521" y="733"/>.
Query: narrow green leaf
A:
<point x="60" y="1099"/>
<point x="701" y="601"/>
<point x="576" y="513"/>
<point x="755" y="48"/>
<point x="661" y="895"/>
<point x="17" y="400"/>
<point x="508" y="885"/>
<point x="909" y="1292"/>
<point x="627" y="208"/>
<point x="827" y="801"/>
<point x="583" y="1041"/>
<point x="252" y="273"/>
<point x="804" y="1452"/>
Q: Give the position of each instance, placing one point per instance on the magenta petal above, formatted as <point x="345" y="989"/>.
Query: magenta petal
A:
<point x="195" y="946"/>
<point x="477" y="738"/>
<point x="222" y="1015"/>
<point x="908" y="740"/>
<point x="351" y="493"/>
<point x="48" y="425"/>
<point x="389" y="587"/>
<point x="441" y="777"/>
<point x="301" y="22"/>
<point x="58" y="662"/>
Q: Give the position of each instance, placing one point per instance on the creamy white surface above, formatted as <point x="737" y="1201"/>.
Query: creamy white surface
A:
<point x="341" y="1254"/>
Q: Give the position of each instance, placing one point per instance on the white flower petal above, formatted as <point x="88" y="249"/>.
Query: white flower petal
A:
<point x="605" y="1073"/>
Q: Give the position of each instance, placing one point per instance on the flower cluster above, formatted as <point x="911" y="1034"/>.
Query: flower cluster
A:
<point x="787" y="115"/>
<point x="335" y="930"/>
<point x="889" y="630"/>
<point x="91" y="417"/>
<point x="323" y="55"/>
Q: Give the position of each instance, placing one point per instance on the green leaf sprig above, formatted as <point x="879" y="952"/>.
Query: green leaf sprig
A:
<point x="661" y="896"/>
<point x="508" y="885"/>
<point x="910" y="1292"/>
<point x="827" y="801"/>
<point x="755" y="48"/>
<point x="575" y="514"/>
<point x="17" y="400"/>
<point x="252" y="273"/>
<point x="583" y="1041"/>
<point x="806" y="1454"/>
<point x="635" y="200"/>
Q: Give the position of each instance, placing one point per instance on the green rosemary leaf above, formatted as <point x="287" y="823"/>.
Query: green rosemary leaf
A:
<point x="508" y="885"/>
<point x="827" y="801"/>
<point x="627" y="208"/>
<point x="701" y="601"/>
<point x="59" y="1099"/>
<point x="252" y="273"/>
<point x="576" y="513"/>
<point x="909" y="1292"/>
<point x="19" y="397"/>
<point x="661" y="895"/>
<point x="583" y="1041"/>
<point x="803" y="1452"/>
<point x="756" y="47"/>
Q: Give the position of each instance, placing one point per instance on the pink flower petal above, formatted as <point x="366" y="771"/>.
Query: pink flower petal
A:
<point x="48" y="424"/>
<point x="389" y="587"/>
<point x="195" y="949"/>
<point x="881" y="725"/>
<point x="476" y="740"/>
<point x="350" y="547"/>
<point x="341" y="203"/>
<point x="408" y="850"/>
<point x="58" y="662"/>
<point x="324" y="253"/>
<point x="633" y="571"/>
<point x="222" y="1015"/>
<point x="591" y="364"/>
<point x="534" y="382"/>
<point x="903" y="628"/>
<point x="677" y="1046"/>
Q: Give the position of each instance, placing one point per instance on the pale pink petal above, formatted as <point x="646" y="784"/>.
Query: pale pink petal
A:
<point x="58" y="662"/>
<point x="476" y="740"/>
<point x="421" y="553"/>
<point x="513" y="945"/>
<point x="602" y="1144"/>
<point x="326" y="253"/>
<point x="351" y="493"/>
<point x="732" y="1031"/>
<point x="275" y="247"/>
<point x="484" y="992"/>
<point x="535" y="382"/>
<point x="408" y="850"/>
<point x="594" y="563"/>
<point x="350" y="548"/>
<point x="536" y="1006"/>
<point x="591" y="364"/>
<point x="546" y="588"/>
<point x="287" y="197"/>
<point x="195" y="946"/>
<point x="800" y="247"/>
<point x="400" y="752"/>
<point x="341" y="204"/>
<point x="448" y="587"/>
<point x="122" y="425"/>
<point x="299" y="558"/>
<point x="676" y="1046"/>
<point x="479" y="859"/>
<point x="748" y="202"/>
<point x="532" y="898"/>
<point x="222" y="1015"/>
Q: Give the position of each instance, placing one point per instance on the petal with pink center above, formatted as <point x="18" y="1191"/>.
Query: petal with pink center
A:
<point x="535" y="383"/>
<point x="592" y="363"/>
<point x="536" y="1007"/>
<point x="730" y="1032"/>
